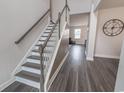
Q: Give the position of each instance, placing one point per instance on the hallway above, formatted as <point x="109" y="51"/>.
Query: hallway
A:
<point x="79" y="75"/>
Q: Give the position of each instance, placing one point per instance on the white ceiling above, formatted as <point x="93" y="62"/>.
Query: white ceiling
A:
<point x="82" y="6"/>
<point x="79" y="6"/>
<point x="111" y="4"/>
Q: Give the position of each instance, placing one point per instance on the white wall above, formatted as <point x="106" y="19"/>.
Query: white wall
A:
<point x="80" y="6"/>
<point x="16" y="17"/>
<point x="119" y="87"/>
<point x="79" y="21"/>
<point x="91" y="35"/>
<point x="57" y="6"/>
<point x="109" y="46"/>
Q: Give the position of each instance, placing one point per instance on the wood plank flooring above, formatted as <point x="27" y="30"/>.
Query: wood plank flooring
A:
<point x="78" y="75"/>
<point x="19" y="87"/>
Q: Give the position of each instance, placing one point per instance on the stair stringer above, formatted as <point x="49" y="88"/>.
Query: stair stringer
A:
<point x="52" y="61"/>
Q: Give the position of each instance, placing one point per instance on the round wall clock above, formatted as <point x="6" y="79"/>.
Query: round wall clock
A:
<point x="113" y="27"/>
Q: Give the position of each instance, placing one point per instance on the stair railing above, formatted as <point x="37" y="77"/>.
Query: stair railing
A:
<point x="27" y="32"/>
<point x="42" y="47"/>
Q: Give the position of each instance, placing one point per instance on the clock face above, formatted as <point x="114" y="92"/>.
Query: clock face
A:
<point x="113" y="27"/>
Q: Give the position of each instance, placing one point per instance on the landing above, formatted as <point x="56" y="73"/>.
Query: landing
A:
<point x="79" y="75"/>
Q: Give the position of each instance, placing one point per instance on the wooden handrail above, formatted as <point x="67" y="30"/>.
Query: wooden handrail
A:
<point x="25" y="34"/>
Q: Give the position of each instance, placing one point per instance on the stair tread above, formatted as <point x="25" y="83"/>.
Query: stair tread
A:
<point x="49" y="31"/>
<point x="29" y="75"/>
<point x="51" y="26"/>
<point x="35" y="50"/>
<point x="45" y="51"/>
<point x="32" y="65"/>
<point x="47" y="36"/>
<point x="47" y="45"/>
<point x="45" y="40"/>
<point x="46" y="32"/>
<point x="34" y="57"/>
<point x="45" y="55"/>
<point x="42" y="40"/>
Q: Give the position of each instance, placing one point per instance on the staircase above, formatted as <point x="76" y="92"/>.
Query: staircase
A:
<point x="31" y="70"/>
<point x="34" y="71"/>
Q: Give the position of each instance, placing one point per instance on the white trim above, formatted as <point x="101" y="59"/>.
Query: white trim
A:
<point x="57" y="71"/>
<point x="107" y="56"/>
<point x="89" y="59"/>
<point x="18" y="67"/>
<point x="6" y="84"/>
<point x="53" y="59"/>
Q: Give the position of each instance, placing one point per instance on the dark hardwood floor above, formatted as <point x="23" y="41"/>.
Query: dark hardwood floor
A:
<point x="19" y="87"/>
<point x="78" y="75"/>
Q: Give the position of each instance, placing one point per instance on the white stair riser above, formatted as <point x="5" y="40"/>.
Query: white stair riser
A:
<point x="43" y="38"/>
<point x="38" y="54"/>
<point x="28" y="82"/>
<point x="52" y="38"/>
<point x="33" y="61"/>
<point x="47" y="34"/>
<point x="36" y="47"/>
<point x="43" y="55"/>
<point x="49" y="27"/>
<point x="49" y="43"/>
<point x="35" y="54"/>
<point x="47" y="48"/>
<point x="39" y="42"/>
<point x="52" y="33"/>
<point x="28" y="69"/>
<point x="51" y="24"/>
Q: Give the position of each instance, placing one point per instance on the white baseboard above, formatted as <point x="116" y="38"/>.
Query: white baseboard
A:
<point x="57" y="71"/>
<point x="107" y="56"/>
<point x="6" y="84"/>
<point x="89" y="59"/>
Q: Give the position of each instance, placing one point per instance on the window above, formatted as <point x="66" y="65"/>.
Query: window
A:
<point x="77" y="33"/>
